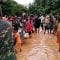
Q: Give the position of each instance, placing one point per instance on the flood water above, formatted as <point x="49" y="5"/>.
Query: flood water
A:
<point x="39" y="47"/>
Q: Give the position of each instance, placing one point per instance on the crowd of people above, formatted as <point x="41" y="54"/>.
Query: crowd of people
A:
<point x="26" y="25"/>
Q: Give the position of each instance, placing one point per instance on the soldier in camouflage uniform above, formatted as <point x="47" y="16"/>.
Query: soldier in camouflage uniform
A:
<point x="6" y="42"/>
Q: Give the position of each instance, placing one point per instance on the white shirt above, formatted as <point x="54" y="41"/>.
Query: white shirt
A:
<point x="42" y="19"/>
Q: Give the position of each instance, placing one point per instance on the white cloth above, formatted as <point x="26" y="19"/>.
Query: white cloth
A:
<point x="42" y="19"/>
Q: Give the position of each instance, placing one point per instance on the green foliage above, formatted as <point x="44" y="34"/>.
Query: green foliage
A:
<point x="45" y="6"/>
<point x="10" y="7"/>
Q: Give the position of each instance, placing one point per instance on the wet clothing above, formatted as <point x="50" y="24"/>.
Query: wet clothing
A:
<point x="46" y="24"/>
<point x="28" y="26"/>
<point x="37" y="23"/>
<point x="52" y="22"/>
<point x="17" y="37"/>
<point x="18" y="41"/>
<point x="42" y="22"/>
<point x="6" y="42"/>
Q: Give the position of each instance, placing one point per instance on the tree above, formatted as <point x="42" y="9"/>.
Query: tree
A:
<point x="45" y="6"/>
<point x="10" y="7"/>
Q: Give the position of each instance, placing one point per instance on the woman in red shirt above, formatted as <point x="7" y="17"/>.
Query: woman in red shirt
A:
<point x="28" y="27"/>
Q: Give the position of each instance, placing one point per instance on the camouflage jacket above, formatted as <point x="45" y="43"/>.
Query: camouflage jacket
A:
<point x="6" y="43"/>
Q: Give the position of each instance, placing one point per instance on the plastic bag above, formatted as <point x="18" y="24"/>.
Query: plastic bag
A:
<point x="26" y="35"/>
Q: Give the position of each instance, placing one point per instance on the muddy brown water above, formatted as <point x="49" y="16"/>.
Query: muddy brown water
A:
<point x="39" y="47"/>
